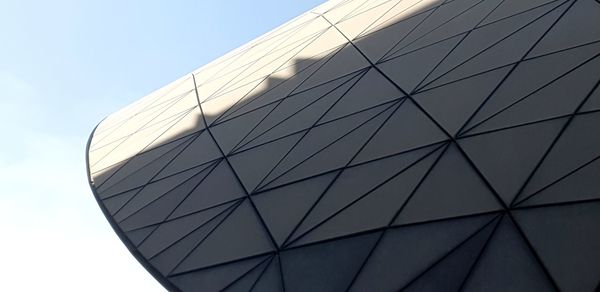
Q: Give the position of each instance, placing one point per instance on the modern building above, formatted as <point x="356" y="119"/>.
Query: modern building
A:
<point x="371" y="145"/>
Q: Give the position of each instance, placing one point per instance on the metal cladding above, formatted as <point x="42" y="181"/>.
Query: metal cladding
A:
<point x="374" y="145"/>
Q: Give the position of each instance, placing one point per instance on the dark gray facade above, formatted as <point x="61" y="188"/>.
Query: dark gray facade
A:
<point x="371" y="146"/>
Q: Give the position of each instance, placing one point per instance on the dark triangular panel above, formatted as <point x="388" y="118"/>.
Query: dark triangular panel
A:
<point x="578" y="145"/>
<point x="299" y="112"/>
<point x="540" y="77"/>
<point x="282" y="208"/>
<point x="451" y="189"/>
<point x="325" y="135"/>
<point x="515" y="154"/>
<point x="247" y="280"/>
<point x="561" y="97"/>
<point x="593" y="102"/>
<point x="510" y="8"/>
<point x="482" y="38"/>
<point x="509" y="50"/>
<point x="138" y="235"/>
<point x="219" y="186"/>
<point x="155" y="190"/>
<point x="326" y="266"/>
<point x="450" y="273"/>
<point x="166" y="253"/>
<point x="409" y="69"/>
<point x="578" y="26"/>
<point x="270" y="280"/>
<point x="452" y="104"/>
<point x="171" y="231"/>
<point x="371" y="90"/>
<point x="338" y="154"/>
<point x="240" y="235"/>
<point x="345" y="211"/>
<point x="405" y="252"/>
<point x="507" y="264"/>
<point x="254" y="164"/>
<point x="568" y="242"/>
<point x="406" y="129"/>
<point x="582" y="184"/>
<point x="158" y="210"/>
<point x="216" y="278"/>
<point x="116" y="202"/>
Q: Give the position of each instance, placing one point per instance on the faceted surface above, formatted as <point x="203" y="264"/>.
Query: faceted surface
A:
<point x="371" y="145"/>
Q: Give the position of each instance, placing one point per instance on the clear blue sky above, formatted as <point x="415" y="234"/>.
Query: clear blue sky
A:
<point x="63" y="66"/>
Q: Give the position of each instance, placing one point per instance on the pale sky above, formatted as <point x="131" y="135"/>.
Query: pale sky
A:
<point x="64" y="65"/>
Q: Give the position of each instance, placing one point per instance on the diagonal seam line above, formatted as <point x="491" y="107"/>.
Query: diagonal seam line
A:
<point x="239" y="181"/>
<point x="507" y="107"/>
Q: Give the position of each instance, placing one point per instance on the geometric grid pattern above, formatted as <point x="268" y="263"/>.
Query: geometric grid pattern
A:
<point x="371" y="145"/>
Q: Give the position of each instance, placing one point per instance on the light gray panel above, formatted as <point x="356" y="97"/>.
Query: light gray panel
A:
<point x="346" y="60"/>
<point x="229" y="133"/>
<point x="463" y="22"/>
<point x="141" y="175"/>
<point x="377" y="43"/>
<point x="300" y="111"/>
<point x="440" y="16"/>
